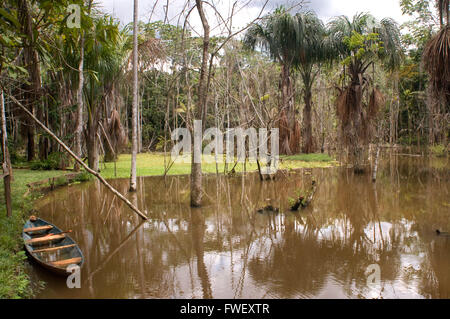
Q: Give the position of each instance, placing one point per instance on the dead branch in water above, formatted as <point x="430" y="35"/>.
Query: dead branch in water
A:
<point x="304" y="201"/>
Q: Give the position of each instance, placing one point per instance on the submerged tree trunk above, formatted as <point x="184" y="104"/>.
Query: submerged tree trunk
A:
<point x="357" y="138"/>
<point x="196" y="163"/>
<point x="134" y="122"/>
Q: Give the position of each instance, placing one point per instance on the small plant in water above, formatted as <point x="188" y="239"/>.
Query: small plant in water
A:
<point x="83" y="177"/>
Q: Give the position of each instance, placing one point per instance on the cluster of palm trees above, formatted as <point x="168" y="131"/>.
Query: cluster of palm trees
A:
<point x="303" y="43"/>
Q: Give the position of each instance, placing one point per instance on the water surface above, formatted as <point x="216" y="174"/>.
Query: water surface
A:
<point x="227" y="250"/>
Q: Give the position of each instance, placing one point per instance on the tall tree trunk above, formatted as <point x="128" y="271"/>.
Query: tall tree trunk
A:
<point x="289" y="128"/>
<point x="79" y="126"/>
<point x="394" y="109"/>
<point x="6" y="163"/>
<point x="196" y="164"/>
<point x="80" y="101"/>
<point x="284" y="126"/>
<point x="134" y="122"/>
<point x="92" y="146"/>
<point x="31" y="61"/>
<point x="308" y="143"/>
<point x="358" y="149"/>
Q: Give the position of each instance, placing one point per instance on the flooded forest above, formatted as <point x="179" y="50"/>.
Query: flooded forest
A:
<point x="194" y="149"/>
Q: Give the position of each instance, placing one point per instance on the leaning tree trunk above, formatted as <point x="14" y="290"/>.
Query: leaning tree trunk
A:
<point x="134" y="110"/>
<point x="79" y="160"/>
<point x="196" y="164"/>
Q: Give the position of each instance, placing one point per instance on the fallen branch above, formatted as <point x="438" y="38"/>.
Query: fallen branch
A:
<point x="87" y="168"/>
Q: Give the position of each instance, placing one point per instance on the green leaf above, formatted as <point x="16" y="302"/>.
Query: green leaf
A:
<point x="11" y="18"/>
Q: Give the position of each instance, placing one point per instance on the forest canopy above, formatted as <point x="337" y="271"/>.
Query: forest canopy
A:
<point x="329" y="86"/>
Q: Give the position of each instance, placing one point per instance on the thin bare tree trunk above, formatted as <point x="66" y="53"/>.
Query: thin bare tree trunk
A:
<point x="134" y="122"/>
<point x="80" y="102"/>
<point x="80" y="161"/>
<point x="196" y="168"/>
<point x="79" y="128"/>
<point x="375" y="168"/>
<point x="7" y="170"/>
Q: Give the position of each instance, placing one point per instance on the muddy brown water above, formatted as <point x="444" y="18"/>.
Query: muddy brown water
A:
<point x="227" y="250"/>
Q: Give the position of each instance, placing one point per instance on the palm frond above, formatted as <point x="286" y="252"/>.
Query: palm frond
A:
<point x="389" y="33"/>
<point x="436" y="59"/>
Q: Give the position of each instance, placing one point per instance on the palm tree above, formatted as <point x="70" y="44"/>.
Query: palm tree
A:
<point x="135" y="99"/>
<point x="277" y="35"/>
<point x="360" y="43"/>
<point x="436" y="57"/>
<point x="103" y="59"/>
<point x="311" y="50"/>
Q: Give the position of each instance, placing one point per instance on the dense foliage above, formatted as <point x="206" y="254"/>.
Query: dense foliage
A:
<point x="302" y="76"/>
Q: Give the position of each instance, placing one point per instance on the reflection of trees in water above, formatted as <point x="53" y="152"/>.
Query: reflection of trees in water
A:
<point x="197" y="225"/>
<point x="350" y="225"/>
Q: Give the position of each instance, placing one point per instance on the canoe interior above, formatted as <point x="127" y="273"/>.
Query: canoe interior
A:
<point x="46" y="258"/>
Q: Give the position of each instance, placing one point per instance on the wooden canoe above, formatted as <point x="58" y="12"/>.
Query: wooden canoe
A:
<point x="50" y="247"/>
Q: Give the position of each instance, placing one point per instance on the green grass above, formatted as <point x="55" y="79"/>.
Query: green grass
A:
<point x="150" y="164"/>
<point x="19" y="186"/>
<point x="319" y="157"/>
<point x="14" y="282"/>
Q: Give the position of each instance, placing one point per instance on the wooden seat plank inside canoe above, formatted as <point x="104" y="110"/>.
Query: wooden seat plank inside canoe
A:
<point x="66" y="262"/>
<point x="53" y="248"/>
<point x="44" y="239"/>
<point x="39" y="228"/>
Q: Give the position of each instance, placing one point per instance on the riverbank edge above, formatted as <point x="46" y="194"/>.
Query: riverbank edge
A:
<point x="14" y="281"/>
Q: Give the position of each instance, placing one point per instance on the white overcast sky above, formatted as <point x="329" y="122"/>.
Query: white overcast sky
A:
<point x="325" y="9"/>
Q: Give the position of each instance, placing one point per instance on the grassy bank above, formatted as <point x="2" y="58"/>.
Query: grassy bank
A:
<point x="150" y="164"/>
<point x="14" y="282"/>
